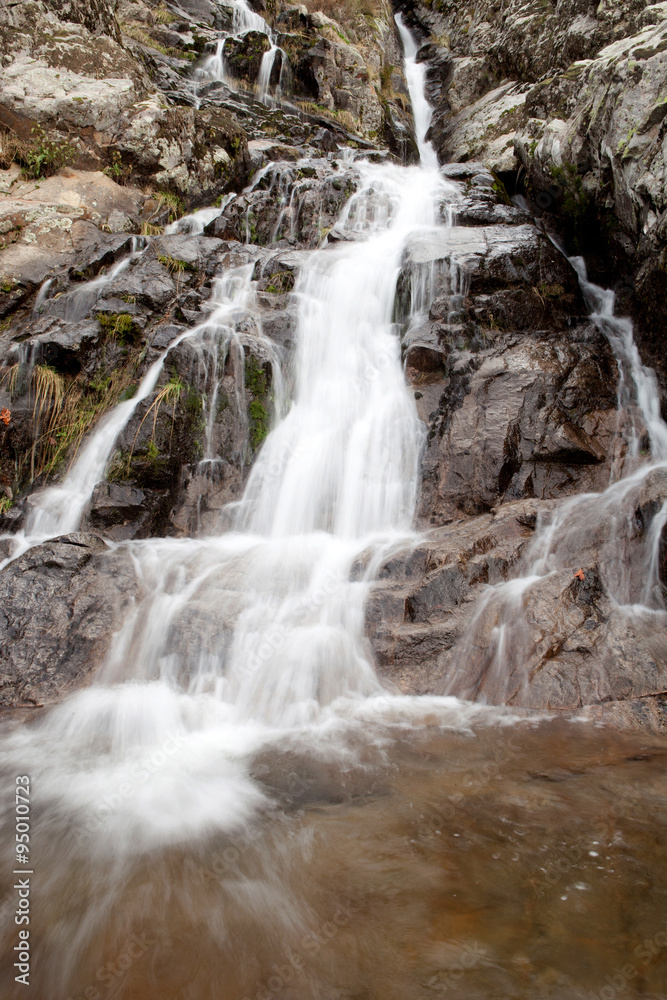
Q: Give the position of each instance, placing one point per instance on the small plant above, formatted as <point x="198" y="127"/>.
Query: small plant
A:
<point x="169" y="393"/>
<point x="49" y="389"/>
<point x="164" y="16"/>
<point x="119" y="326"/>
<point x="10" y="378"/>
<point x="11" y="148"/>
<point x="174" y="265"/>
<point x="172" y="202"/>
<point x="281" y="282"/>
<point x="116" y="170"/>
<point x="44" y="156"/>
<point x="5" y="504"/>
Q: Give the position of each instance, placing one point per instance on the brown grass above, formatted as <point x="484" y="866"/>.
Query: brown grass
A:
<point x="344" y="11"/>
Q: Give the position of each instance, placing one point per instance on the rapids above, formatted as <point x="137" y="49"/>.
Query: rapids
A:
<point x="236" y="808"/>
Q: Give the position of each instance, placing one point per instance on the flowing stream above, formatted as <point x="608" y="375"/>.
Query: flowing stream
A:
<point x="235" y="808"/>
<point x="604" y="524"/>
<point x="215" y="67"/>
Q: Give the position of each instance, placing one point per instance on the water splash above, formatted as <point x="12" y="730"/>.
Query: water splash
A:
<point x="260" y="631"/>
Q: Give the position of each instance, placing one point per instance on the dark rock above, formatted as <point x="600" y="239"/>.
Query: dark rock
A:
<point x="244" y="55"/>
<point x="61" y="603"/>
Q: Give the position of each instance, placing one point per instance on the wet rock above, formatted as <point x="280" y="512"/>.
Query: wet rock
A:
<point x="575" y="648"/>
<point x="61" y="604"/>
<point x="510" y="432"/>
<point x="114" y="504"/>
<point x="295" y="202"/>
<point x="55" y="224"/>
<point x="566" y="106"/>
<point x="421" y="606"/>
<point x="244" y="55"/>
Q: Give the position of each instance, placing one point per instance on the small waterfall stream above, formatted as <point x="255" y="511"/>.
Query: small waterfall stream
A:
<point x="566" y="539"/>
<point x="215" y="66"/>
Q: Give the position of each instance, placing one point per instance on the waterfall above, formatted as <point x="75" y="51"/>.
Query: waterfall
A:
<point x="265" y="71"/>
<point x="278" y="602"/>
<point x="194" y="224"/>
<point x="599" y="528"/>
<point x="214" y="67"/>
<point x="154" y="811"/>
<point x="415" y="75"/>
<point x="58" y="510"/>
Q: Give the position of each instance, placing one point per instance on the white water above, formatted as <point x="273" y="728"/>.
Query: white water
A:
<point x="265" y="71"/>
<point x="42" y="295"/>
<point x="58" y="510"/>
<point x="77" y="303"/>
<point x="214" y="67"/>
<point x="195" y="224"/>
<point x="237" y="639"/>
<point x="415" y="75"/>
<point x="588" y="530"/>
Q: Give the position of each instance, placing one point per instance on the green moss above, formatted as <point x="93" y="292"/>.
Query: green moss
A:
<point x="120" y="326"/>
<point x="259" y="423"/>
<point x="281" y="282"/>
<point x="257" y="384"/>
<point x="255" y="377"/>
<point x="500" y="190"/>
<point x="174" y="265"/>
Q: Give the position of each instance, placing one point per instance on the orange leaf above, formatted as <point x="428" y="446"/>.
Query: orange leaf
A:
<point x="580" y="575"/>
<point x="5" y="415"/>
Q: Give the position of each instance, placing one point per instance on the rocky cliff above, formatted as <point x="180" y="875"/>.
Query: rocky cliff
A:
<point x="115" y="124"/>
<point x="566" y="101"/>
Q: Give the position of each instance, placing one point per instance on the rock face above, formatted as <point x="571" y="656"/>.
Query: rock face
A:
<point x="59" y="613"/>
<point x="565" y="101"/>
<point x="516" y="387"/>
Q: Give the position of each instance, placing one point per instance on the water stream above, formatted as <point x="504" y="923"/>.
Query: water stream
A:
<point x="588" y="530"/>
<point x="215" y="66"/>
<point x="235" y="808"/>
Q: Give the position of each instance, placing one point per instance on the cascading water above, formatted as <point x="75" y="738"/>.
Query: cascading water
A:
<point x="58" y="510"/>
<point x="215" y="68"/>
<point x="595" y="529"/>
<point x="334" y="487"/>
<point x="415" y="74"/>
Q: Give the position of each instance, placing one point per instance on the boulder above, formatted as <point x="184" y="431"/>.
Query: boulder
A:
<point x="61" y="603"/>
